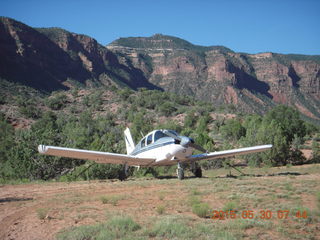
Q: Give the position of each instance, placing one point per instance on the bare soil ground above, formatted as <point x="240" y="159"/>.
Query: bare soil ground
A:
<point x="41" y="210"/>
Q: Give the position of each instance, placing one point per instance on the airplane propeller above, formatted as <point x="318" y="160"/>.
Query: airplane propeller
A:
<point x="185" y="141"/>
<point x="196" y="146"/>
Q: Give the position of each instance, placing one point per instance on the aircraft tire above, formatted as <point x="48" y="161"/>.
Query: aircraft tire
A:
<point x="180" y="173"/>
<point x="198" y="172"/>
<point x="123" y="174"/>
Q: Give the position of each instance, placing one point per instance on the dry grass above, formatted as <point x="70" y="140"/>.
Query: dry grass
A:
<point x="169" y="208"/>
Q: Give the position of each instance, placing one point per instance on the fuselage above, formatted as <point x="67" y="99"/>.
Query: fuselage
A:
<point x="165" y="149"/>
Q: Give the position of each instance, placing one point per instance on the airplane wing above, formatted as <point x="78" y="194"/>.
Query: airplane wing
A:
<point x="228" y="153"/>
<point x="99" y="157"/>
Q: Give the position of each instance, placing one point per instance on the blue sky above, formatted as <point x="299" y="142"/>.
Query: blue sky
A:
<point x="252" y="26"/>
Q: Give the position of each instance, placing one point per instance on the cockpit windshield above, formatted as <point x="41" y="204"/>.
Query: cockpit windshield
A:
<point x="149" y="139"/>
<point x="154" y="136"/>
<point x="173" y="132"/>
<point x="158" y="135"/>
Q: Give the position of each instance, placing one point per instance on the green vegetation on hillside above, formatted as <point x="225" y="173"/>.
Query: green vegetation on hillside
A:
<point x="287" y="58"/>
<point x="160" y="41"/>
<point x="61" y="120"/>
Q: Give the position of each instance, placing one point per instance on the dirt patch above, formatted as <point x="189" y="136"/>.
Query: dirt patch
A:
<point x="40" y="211"/>
<point x="67" y="205"/>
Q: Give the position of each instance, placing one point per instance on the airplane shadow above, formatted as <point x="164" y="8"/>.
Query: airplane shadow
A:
<point x="238" y="176"/>
<point x="14" y="199"/>
<point x="263" y="175"/>
<point x="194" y="177"/>
<point x="175" y="177"/>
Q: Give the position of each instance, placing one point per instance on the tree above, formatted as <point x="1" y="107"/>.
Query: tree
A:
<point x="289" y="121"/>
<point x="233" y="130"/>
<point x="125" y="93"/>
<point x="167" y="108"/>
<point x="190" y="119"/>
<point x="281" y="127"/>
<point x="315" y="151"/>
<point x="202" y="123"/>
<point x="140" y="124"/>
<point x="259" y="133"/>
<point x="27" y="106"/>
<point x="57" y="102"/>
<point x="6" y="141"/>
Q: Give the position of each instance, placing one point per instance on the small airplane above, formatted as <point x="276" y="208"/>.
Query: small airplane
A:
<point x="157" y="148"/>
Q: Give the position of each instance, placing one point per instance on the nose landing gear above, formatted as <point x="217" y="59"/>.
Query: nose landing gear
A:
<point x="195" y="169"/>
<point x="180" y="171"/>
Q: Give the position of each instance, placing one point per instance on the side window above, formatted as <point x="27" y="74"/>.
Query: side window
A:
<point x="149" y="139"/>
<point x="143" y="142"/>
<point x="158" y="135"/>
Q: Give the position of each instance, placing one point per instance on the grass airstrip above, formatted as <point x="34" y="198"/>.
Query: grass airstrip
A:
<point x="265" y="203"/>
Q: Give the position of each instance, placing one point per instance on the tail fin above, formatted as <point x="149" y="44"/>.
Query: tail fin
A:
<point x="129" y="141"/>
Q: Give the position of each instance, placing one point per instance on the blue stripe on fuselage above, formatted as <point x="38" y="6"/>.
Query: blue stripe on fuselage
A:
<point x="150" y="146"/>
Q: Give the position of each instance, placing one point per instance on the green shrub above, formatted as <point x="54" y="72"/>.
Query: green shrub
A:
<point x="169" y="229"/>
<point x="123" y="224"/>
<point x="192" y="200"/>
<point x="2" y="99"/>
<point x="42" y="213"/>
<point x="160" y="209"/>
<point x="229" y="206"/>
<point x="201" y="209"/>
<point x="30" y="111"/>
<point x="113" y="199"/>
<point x="167" y="108"/>
<point x="233" y="130"/>
<point x="57" y="102"/>
<point x="119" y="227"/>
<point x="104" y="199"/>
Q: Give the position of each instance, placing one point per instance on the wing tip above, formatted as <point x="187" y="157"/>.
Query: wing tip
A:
<point x="42" y="149"/>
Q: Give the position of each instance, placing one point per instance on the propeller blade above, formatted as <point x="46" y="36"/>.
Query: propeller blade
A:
<point x="197" y="147"/>
<point x="169" y="134"/>
<point x="185" y="141"/>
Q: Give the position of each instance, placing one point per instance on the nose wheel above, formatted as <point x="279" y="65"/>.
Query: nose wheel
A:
<point x="180" y="171"/>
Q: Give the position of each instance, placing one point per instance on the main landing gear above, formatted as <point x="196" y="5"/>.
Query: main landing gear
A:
<point x="123" y="173"/>
<point x="195" y="169"/>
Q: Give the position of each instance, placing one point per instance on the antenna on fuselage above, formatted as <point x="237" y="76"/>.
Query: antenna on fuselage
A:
<point x="141" y="133"/>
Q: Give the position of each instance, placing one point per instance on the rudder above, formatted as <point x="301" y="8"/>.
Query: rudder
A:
<point x="129" y="141"/>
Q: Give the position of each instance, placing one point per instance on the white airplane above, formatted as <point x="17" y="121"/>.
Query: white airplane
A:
<point x="157" y="148"/>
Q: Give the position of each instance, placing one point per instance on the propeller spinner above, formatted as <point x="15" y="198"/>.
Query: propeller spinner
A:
<point x="185" y="141"/>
